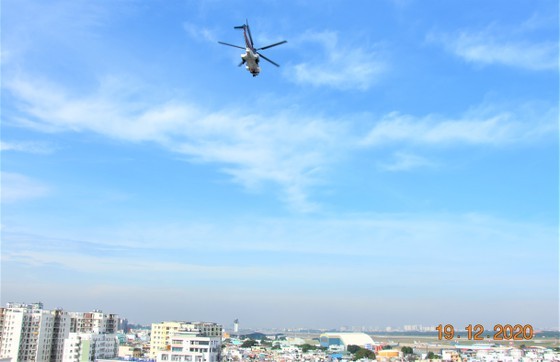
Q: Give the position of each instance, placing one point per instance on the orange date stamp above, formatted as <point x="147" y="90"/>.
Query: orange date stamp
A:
<point x="505" y="332"/>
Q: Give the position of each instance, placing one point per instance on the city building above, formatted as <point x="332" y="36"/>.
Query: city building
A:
<point x="123" y="325"/>
<point x="160" y="336"/>
<point x="192" y="346"/>
<point x="30" y="333"/>
<point x="388" y="354"/>
<point x="450" y="355"/>
<point x="95" y="322"/>
<point x="82" y="347"/>
<point x="162" y="332"/>
<point x="129" y="352"/>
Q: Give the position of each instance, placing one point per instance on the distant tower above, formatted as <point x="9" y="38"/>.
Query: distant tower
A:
<point x="236" y="326"/>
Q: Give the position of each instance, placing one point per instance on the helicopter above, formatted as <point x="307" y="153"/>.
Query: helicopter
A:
<point x="252" y="55"/>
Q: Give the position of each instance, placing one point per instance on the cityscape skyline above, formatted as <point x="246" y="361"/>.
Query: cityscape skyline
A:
<point x="30" y="332"/>
<point x="399" y="167"/>
<point x="231" y="325"/>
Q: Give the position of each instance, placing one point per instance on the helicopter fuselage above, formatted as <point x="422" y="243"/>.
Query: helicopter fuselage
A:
<point x="252" y="62"/>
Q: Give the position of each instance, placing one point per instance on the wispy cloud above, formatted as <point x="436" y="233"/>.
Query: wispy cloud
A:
<point x="340" y="65"/>
<point x="285" y="149"/>
<point x="288" y="149"/>
<point x="345" y="246"/>
<point x="499" y="46"/>
<point x="404" y="161"/>
<point x="284" y="256"/>
<point x="17" y="187"/>
<point x="351" y="235"/>
<point x="199" y="33"/>
<point x="484" y="125"/>
<point x="27" y="146"/>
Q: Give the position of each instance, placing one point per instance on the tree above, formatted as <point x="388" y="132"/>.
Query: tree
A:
<point x="407" y="350"/>
<point x="364" y="353"/>
<point x="352" y="348"/>
<point x="248" y="343"/>
<point x="307" y="347"/>
<point x="431" y="355"/>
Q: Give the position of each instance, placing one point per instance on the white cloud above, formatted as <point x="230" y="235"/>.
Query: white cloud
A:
<point x="350" y="235"/>
<point x="484" y="125"/>
<point x="339" y="65"/>
<point x="406" y="161"/>
<point x="199" y="33"/>
<point x="29" y="147"/>
<point x="286" y="149"/>
<point x="490" y="46"/>
<point x="17" y="187"/>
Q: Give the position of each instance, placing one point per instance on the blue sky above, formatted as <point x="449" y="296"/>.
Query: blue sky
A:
<point x="400" y="167"/>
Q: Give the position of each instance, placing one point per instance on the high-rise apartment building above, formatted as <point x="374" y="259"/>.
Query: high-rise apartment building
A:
<point x="93" y="336"/>
<point x="80" y="347"/>
<point x="161" y="333"/>
<point x="30" y="333"/>
<point x="61" y="328"/>
<point x="94" y="322"/>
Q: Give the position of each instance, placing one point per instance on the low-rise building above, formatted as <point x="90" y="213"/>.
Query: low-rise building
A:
<point x="129" y="352"/>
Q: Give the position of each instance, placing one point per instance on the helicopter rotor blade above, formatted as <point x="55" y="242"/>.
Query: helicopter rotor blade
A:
<point x="231" y="45"/>
<point x="272" y="45"/>
<point x="242" y="62"/>
<point x="265" y="58"/>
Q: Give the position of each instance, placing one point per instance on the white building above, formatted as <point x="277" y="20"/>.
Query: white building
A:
<point x="30" y="333"/>
<point x="341" y="341"/>
<point x="79" y="347"/>
<point x="192" y="346"/>
<point x="94" y="322"/>
<point x="161" y="333"/>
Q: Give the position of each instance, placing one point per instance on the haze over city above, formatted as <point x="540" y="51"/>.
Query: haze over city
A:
<point x="399" y="167"/>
